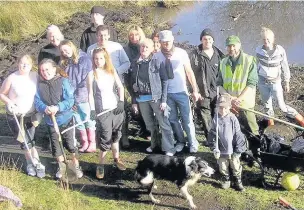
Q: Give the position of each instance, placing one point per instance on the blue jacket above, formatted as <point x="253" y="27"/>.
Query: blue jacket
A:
<point x="57" y="91"/>
<point x="78" y="74"/>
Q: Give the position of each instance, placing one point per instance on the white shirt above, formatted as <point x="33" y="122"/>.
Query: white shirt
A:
<point x="23" y="90"/>
<point x="178" y="60"/>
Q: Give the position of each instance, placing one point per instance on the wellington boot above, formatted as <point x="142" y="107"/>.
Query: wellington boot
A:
<point x="299" y="118"/>
<point x="84" y="141"/>
<point x="92" y="140"/>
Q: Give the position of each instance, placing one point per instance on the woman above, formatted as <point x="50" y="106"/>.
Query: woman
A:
<point x="18" y="92"/>
<point x="135" y="36"/>
<point x="55" y="97"/>
<point x="101" y="83"/>
<point x="272" y="63"/>
<point x="77" y="65"/>
<point x="149" y="90"/>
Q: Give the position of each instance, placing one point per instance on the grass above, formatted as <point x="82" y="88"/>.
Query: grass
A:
<point x="22" y="20"/>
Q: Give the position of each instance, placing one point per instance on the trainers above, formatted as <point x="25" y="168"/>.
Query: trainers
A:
<point x="225" y="185"/>
<point x="239" y="186"/>
<point x="120" y="165"/>
<point x="179" y="147"/>
<point x="149" y="150"/>
<point x="40" y="170"/>
<point x="100" y="172"/>
<point x="61" y="169"/>
<point x="170" y="153"/>
<point x="30" y="170"/>
<point x="79" y="172"/>
<point x="193" y="150"/>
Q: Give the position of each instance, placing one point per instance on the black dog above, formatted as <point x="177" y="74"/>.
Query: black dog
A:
<point x="182" y="171"/>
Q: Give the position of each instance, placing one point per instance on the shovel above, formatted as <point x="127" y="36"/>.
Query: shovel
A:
<point x="270" y="117"/>
<point x="217" y="152"/>
<point x="68" y="169"/>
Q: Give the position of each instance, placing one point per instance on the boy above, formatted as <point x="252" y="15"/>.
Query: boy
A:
<point x="231" y="143"/>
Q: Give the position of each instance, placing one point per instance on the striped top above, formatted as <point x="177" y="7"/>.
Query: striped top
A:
<point x="270" y="66"/>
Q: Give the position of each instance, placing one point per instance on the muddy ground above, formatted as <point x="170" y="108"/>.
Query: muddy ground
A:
<point x="120" y="186"/>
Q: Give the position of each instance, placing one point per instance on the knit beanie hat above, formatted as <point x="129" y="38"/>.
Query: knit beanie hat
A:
<point x="98" y="9"/>
<point x="206" y="32"/>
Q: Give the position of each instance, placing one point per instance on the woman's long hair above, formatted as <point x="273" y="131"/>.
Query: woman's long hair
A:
<point x="108" y="67"/>
<point x="59" y="70"/>
<point x="139" y="30"/>
<point x="75" y="54"/>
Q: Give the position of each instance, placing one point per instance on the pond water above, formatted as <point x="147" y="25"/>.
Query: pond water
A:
<point x="244" y="19"/>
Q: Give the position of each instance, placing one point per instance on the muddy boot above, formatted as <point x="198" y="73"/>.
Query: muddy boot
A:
<point x="238" y="184"/>
<point x="119" y="164"/>
<point x="84" y="140"/>
<point x="226" y="182"/>
<point x="100" y="172"/>
<point x="92" y="140"/>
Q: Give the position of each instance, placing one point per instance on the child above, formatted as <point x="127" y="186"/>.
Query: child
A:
<point x="102" y="97"/>
<point x="231" y="143"/>
<point x="55" y="97"/>
<point x="77" y="65"/>
<point x="18" y="92"/>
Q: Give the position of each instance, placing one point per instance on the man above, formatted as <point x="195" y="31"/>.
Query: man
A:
<point x="175" y="62"/>
<point x="119" y="60"/>
<point x="88" y="37"/>
<point x="51" y="51"/>
<point x="205" y="62"/>
<point x="272" y="66"/>
<point x="238" y="77"/>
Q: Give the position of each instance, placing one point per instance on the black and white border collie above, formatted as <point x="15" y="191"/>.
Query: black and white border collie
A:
<point x="180" y="170"/>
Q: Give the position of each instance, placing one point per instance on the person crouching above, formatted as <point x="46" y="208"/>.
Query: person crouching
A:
<point x="55" y="96"/>
<point x="231" y="143"/>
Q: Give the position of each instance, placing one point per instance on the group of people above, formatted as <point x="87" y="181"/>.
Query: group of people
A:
<point x="90" y="84"/>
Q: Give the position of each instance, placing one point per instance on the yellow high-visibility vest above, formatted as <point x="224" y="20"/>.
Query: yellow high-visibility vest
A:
<point x="234" y="83"/>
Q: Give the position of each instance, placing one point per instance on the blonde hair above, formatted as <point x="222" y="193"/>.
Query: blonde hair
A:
<point x="139" y="30"/>
<point x="31" y="59"/>
<point x="108" y="67"/>
<point x="55" y="29"/>
<point x="267" y="31"/>
<point x="75" y="53"/>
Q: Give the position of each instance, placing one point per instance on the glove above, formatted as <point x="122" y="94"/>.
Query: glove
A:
<point x="92" y="115"/>
<point x="236" y="155"/>
<point x="216" y="153"/>
<point x="119" y="109"/>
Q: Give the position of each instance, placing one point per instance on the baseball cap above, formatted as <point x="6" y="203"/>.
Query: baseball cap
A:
<point x="232" y="40"/>
<point x="166" y="36"/>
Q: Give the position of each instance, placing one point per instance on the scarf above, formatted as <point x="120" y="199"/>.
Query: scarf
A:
<point x="168" y="65"/>
<point x="134" y="51"/>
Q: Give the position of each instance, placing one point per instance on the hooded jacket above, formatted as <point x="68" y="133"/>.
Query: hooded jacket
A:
<point x="206" y="70"/>
<point x="57" y="92"/>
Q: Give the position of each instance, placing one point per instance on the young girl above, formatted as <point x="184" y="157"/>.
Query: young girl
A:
<point x="77" y="65"/>
<point x="17" y="92"/>
<point x="55" y="96"/>
<point x="101" y="83"/>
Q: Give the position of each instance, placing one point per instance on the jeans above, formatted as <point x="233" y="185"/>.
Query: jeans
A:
<point x="82" y="114"/>
<point x="180" y="103"/>
<point x="274" y="91"/>
<point x="147" y="110"/>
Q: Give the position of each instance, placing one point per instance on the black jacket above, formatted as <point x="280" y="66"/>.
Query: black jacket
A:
<point x="51" y="52"/>
<point x="89" y="37"/>
<point x="206" y="70"/>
